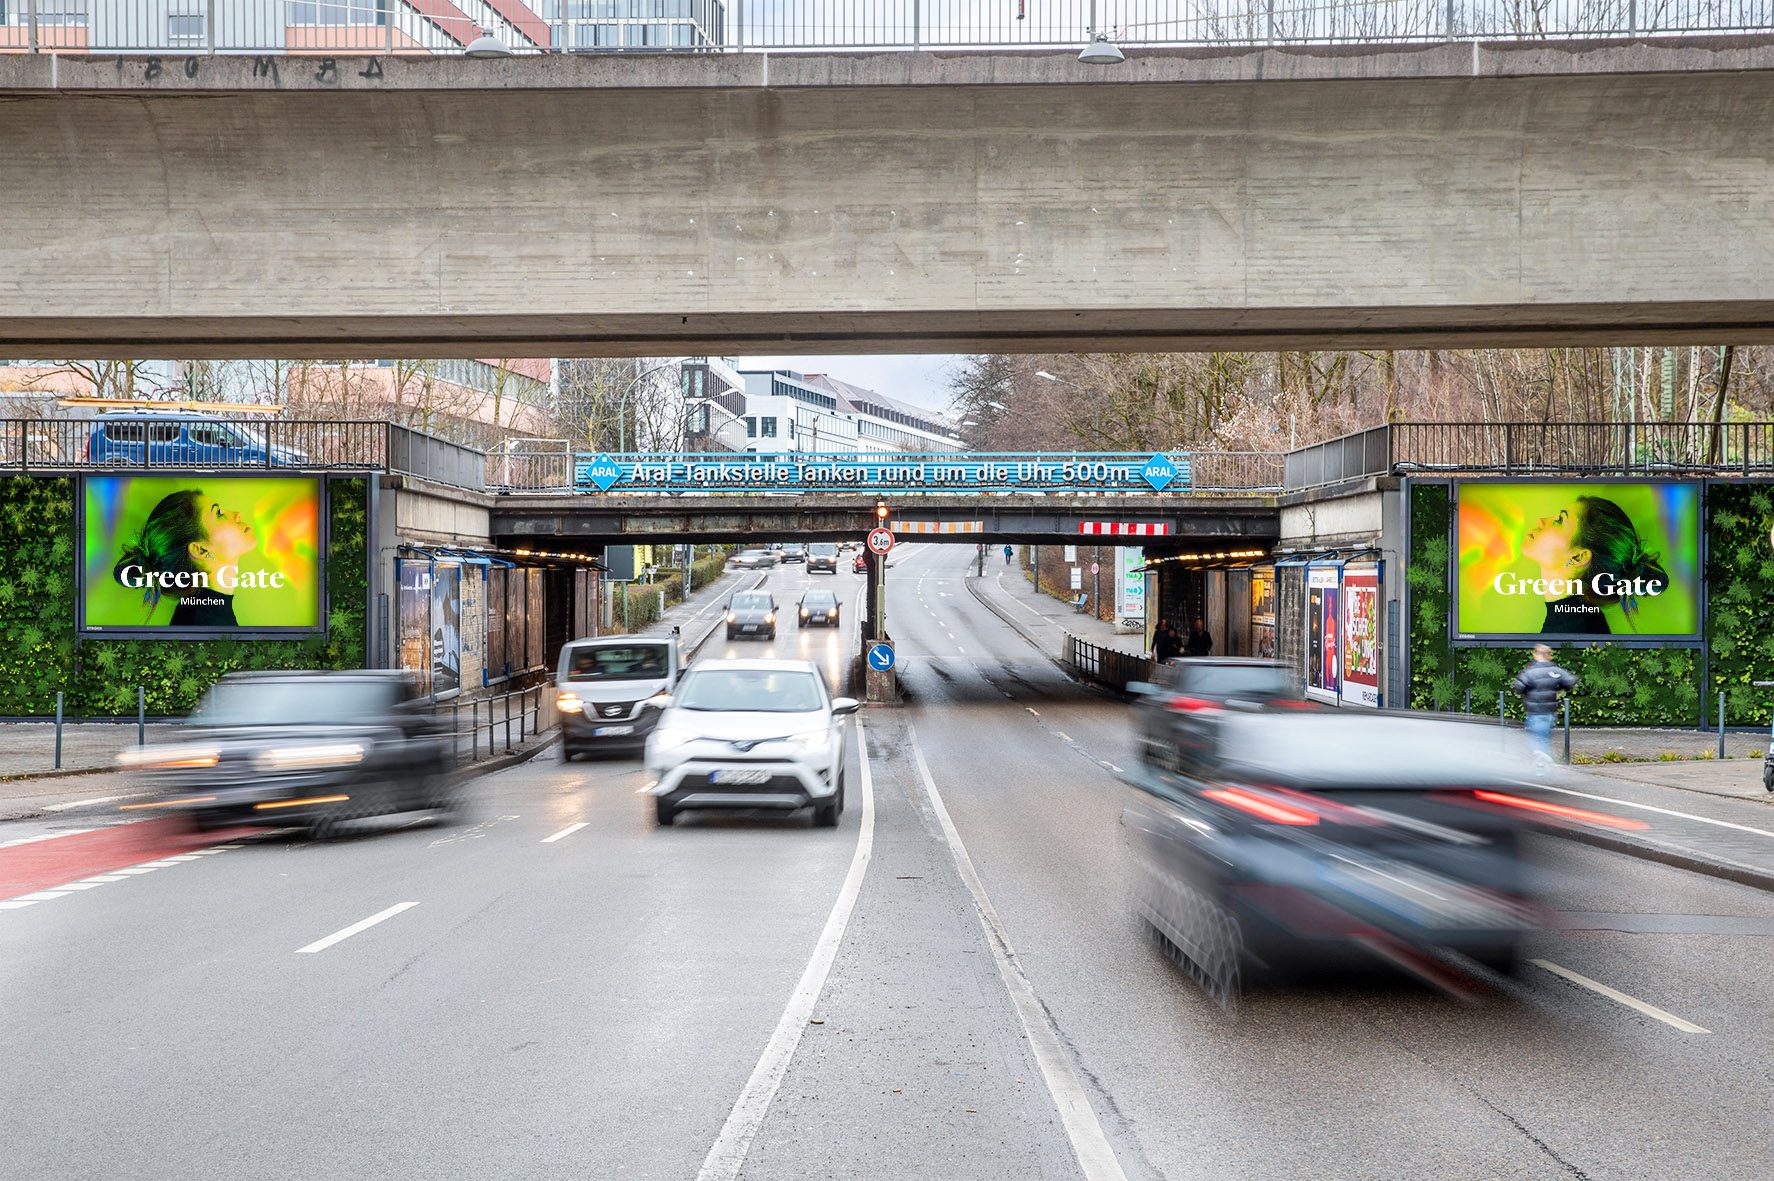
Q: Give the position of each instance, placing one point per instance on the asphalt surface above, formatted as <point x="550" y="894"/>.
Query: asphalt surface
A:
<point x="605" y="1003"/>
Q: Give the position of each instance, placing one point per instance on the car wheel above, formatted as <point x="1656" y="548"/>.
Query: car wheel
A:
<point x="1502" y="957"/>
<point x="772" y="635"/>
<point x="729" y="633"/>
<point x="826" y="815"/>
<point x="664" y="813"/>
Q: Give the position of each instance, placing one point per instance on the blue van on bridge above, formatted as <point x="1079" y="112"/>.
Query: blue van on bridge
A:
<point x="182" y="438"/>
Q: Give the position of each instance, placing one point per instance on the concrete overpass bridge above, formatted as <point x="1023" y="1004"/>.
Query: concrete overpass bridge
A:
<point x="1247" y="197"/>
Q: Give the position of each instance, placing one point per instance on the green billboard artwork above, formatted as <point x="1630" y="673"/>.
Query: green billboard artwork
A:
<point x="1580" y="561"/>
<point x="200" y="554"/>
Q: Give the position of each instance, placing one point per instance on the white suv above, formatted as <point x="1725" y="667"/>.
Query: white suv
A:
<point x="751" y="734"/>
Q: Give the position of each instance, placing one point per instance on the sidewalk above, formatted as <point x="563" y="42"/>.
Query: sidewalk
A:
<point x="1699" y="816"/>
<point x="1044" y="620"/>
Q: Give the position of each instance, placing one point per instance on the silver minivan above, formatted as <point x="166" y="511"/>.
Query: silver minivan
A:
<point x="604" y="690"/>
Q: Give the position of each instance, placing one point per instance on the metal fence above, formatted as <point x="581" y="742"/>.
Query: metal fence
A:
<point x="1108" y="667"/>
<point x="1598" y="448"/>
<point x="421" y="27"/>
<point x="214" y="441"/>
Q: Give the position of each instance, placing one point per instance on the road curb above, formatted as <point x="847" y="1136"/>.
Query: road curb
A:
<point x="973" y="589"/>
<point x="1729" y="871"/>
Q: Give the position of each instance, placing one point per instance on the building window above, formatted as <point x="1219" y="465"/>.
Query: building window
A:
<point x="336" y="12"/>
<point x="184" y="28"/>
<point x="769" y="428"/>
<point x="751" y="427"/>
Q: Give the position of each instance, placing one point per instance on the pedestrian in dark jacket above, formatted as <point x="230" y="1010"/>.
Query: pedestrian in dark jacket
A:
<point x="1539" y="684"/>
<point x="1165" y="643"/>
<point x="1199" y="642"/>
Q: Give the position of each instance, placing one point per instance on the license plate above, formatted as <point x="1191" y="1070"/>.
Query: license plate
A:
<point x="748" y="627"/>
<point x="739" y="778"/>
<point x="611" y="731"/>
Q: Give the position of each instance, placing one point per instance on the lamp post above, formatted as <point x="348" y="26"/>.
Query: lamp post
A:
<point x="622" y="403"/>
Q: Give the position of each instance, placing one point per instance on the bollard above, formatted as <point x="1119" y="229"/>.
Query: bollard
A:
<point x="521" y="712"/>
<point x="58" y="729"/>
<point x="1468" y="701"/>
<point x="662" y="602"/>
<point x="1500" y="720"/>
<point x="142" y="716"/>
<point x="474" y="731"/>
<point x="508" y="723"/>
<point x="1721" y="723"/>
<point x="1567" y="731"/>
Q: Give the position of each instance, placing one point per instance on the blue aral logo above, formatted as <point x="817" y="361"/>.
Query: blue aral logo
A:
<point x="1159" y="472"/>
<point x="603" y="471"/>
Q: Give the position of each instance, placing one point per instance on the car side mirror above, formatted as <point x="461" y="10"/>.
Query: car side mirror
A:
<point x="1141" y="688"/>
<point x="845" y="705"/>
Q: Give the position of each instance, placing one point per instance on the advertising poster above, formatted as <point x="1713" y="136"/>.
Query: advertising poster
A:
<point x="497" y="665"/>
<point x="1262" y="612"/>
<point x="1361" y="636"/>
<point x="1579" y="561"/>
<point x="446" y="628"/>
<point x="1130" y="607"/>
<point x="414" y="611"/>
<point x="1323" y="670"/>
<point x="200" y="554"/>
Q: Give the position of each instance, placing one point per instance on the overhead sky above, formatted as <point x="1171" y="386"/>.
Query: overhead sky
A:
<point x="920" y="379"/>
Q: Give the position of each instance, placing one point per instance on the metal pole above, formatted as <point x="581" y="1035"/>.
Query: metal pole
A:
<point x="521" y="712"/>
<point x="508" y="723"/>
<point x="58" y="729"/>
<point x="1500" y="721"/>
<point x="142" y="716"/>
<point x="209" y="35"/>
<point x="917" y="26"/>
<point x="1721" y="723"/>
<point x="392" y="9"/>
<point x="31" y="22"/>
<point x="474" y="731"/>
<point x="1449" y="27"/>
<point x="1468" y="701"/>
<point x="1567" y="731"/>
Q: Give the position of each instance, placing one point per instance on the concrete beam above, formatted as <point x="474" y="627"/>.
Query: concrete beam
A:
<point x="1421" y="196"/>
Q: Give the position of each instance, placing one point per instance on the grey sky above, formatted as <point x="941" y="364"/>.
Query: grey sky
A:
<point x="919" y="379"/>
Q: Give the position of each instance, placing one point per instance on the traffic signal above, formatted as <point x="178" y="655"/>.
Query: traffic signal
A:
<point x="881" y="511"/>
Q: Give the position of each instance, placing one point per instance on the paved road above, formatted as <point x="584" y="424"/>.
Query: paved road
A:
<point x="599" y="1004"/>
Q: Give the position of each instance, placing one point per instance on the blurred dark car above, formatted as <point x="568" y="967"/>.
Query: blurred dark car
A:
<point x="794" y="551"/>
<point x="860" y="565"/>
<point x="1295" y="841"/>
<point x="754" y="559"/>
<point x="819" y="608"/>
<point x="1169" y="710"/>
<point x="752" y="613"/>
<point x="822" y="557"/>
<point x="305" y="749"/>
<point x="183" y="438"/>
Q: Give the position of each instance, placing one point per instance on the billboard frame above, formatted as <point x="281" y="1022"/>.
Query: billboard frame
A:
<point x="323" y="604"/>
<point x="1702" y="560"/>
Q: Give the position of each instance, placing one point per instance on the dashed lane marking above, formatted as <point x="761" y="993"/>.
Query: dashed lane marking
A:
<point x="361" y="925"/>
<point x="1619" y="997"/>
<point x="565" y="832"/>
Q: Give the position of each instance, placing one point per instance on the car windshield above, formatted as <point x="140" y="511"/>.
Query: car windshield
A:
<point x="819" y="599"/>
<point x="320" y="701"/>
<point x="1234" y="680"/>
<point x="617" y="662"/>
<point x="757" y="690"/>
<point x="823" y="549"/>
<point x="750" y="602"/>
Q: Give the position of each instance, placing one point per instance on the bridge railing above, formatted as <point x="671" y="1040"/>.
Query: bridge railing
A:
<point x="415" y="27"/>
<point x="61" y="444"/>
<point x="1597" y="448"/>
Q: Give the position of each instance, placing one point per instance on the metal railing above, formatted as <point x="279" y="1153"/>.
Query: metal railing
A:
<point x="423" y="27"/>
<point x="1108" y="667"/>
<point x="214" y="441"/>
<point x="1590" y="448"/>
<point x="499" y="724"/>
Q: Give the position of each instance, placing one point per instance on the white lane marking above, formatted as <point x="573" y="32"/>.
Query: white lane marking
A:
<point x="1030" y="708"/>
<point x="1761" y="832"/>
<point x="1095" y="1158"/>
<point x="136" y="870"/>
<point x="85" y="803"/>
<point x="41" y="896"/>
<point x="727" y="1156"/>
<point x="354" y="928"/>
<point x="1013" y="599"/>
<point x="1062" y="736"/>
<point x="16" y="904"/>
<point x="1615" y="994"/>
<point x="44" y="836"/>
<point x="565" y="832"/>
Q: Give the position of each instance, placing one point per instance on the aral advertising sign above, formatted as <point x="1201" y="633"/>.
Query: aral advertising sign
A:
<point x="1361" y="636"/>
<point x="200" y="554"/>
<point x="1582" y="561"/>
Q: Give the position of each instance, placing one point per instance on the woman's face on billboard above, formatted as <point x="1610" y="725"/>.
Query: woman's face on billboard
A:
<point x="1552" y="542"/>
<point x="227" y="537"/>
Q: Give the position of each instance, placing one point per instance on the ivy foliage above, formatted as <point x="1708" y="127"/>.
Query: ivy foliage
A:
<point x="41" y="655"/>
<point x="1618" y="686"/>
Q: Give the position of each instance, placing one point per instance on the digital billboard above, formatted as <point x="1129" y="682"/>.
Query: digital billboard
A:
<point x="1580" y="561"/>
<point x="200" y="554"/>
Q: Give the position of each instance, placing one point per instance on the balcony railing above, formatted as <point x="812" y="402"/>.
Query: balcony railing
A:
<point x="388" y="27"/>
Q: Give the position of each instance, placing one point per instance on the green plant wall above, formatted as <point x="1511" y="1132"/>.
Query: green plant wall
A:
<point x="40" y="653"/>
<point x="1619" y="686"/>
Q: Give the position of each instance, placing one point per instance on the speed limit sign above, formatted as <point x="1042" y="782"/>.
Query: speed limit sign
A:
<point x="880" y="541"/>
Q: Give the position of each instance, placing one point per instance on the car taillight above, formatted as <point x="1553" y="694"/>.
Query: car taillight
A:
<point x="1184" y="704"/>
<point x="1262" y="806"/>
<point x="1561" y="811"/>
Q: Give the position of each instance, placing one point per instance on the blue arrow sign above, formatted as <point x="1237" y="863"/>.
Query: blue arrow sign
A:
<point x="880" y="657"/>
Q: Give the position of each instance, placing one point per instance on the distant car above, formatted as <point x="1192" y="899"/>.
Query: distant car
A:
<point x="822" y="558"/>
<point x="794" y="552"/>
<point x="175" y="438"/>
<point x="819" y="608"/>
<point x="1290" y="842"/>
<point x="1169" y="710"/>
<point x="860" y="565"/>
<point x="602" y="688"/>
<point x="754" y="559"/>
<point x="751" y="734"/>
<point x="751" y="613"/>
<point x="306" y="749"/>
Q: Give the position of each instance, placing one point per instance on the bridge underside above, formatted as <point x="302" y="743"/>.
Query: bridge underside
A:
<point x="1358" y="197"/>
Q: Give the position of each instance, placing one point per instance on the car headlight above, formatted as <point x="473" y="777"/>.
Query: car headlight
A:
<point x="770" y="618"/>
<point x="670" y="739"/>
<point x="803" y="612"/>
<point x="568" y="703"/>
<point x="809" y="742"/>
<point x="180" y="756"/>
<point x="308" y="756"/>
<point x="732" y="618"/>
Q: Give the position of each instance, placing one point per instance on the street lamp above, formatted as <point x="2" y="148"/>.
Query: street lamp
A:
<point x="1102" y="52"/>
<point x="622" y="403"/>
<point x="486" y="46"/>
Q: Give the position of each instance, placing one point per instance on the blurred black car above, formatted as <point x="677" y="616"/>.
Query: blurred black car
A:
<point x="751" y="613"/>
<point x="1290" y="841"/>
<point x="1169" y="711"/>
<point x="794" y="551"/>
<point x="819" y="608"/>
<point x="305" y="749"/>
<point x="753" y="559"/>
<point x="822" y="556"/>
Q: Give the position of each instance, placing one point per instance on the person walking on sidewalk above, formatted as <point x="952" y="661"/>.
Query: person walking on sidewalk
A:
<point x="1199" y="642"/>
<point x="1008" y="551"/>
<point x="1539" y="684"/>
<point x="1166" y="645"/>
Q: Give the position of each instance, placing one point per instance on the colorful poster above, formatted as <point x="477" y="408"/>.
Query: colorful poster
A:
<point x="1130" y="609"/>
<point x="1323" y="668"/>
<point x="414" y="612"/>
<point x="200" y="554"/>
<point x="1361" y="636"/>
<point x="1579" y="561"/>
<point x="1262" y="612"/>
<point x="446" y="628"/>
